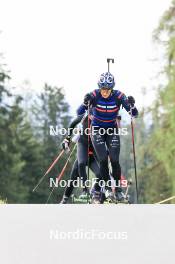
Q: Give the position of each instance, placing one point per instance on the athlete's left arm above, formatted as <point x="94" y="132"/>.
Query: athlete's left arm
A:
<point x="129" y="106"/>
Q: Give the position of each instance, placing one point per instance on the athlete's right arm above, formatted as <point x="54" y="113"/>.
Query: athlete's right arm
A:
<point x="88" y="99"/>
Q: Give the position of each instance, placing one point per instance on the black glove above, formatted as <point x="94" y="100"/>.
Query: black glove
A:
<point x="119" y="117"/>
<point x="131" y="100"/>
<point x="66" y="143"/>
<point x="87" y="99"/>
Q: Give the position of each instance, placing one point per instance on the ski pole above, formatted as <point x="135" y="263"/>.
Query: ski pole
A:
<point x="133" y="148"/>
<point x="49" y="169"/>
<point x="58" y="178"/>
<point x="129" y="183"/>
<point x="108" y="61"/>
<point x="166" y="200"/>
<point x="88" y="148"/>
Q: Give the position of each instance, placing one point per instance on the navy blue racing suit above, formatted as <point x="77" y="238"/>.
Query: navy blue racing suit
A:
<point x="104" y="116"/>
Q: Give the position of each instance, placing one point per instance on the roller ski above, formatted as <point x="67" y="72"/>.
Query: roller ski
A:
<point x="116" y="197"/>
<point x="111" y="197"/>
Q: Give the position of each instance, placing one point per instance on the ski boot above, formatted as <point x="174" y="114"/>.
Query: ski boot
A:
<point x="112" y="198"/>
<point x="120" y="196"/>
<point x="96" y="198"/>
<point x="109" y="196"/>
<point x="64" y="200"/>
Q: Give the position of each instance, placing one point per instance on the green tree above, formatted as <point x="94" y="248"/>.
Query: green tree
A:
<point x="51" y="109"/>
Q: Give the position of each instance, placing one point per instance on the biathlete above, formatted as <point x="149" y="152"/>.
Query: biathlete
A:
<point x="105" y="103"/>
<point x="79" y="167"/>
